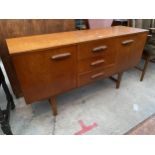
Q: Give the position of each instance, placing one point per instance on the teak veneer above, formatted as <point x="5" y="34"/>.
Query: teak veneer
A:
<point x="50" y="64"/>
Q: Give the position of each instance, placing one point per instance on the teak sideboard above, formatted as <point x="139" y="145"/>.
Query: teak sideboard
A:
<point x="50" y="64"/>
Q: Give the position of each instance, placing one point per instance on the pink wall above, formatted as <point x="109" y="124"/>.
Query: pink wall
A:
<point x="99" y="23"/>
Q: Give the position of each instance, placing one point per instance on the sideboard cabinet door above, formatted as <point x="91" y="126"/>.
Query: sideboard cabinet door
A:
<point x="46" y="73"/>
<point x="130" y="50"/>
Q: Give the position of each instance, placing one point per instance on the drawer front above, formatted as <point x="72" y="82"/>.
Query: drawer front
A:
<point x="46" y="73"/>
<point x="97" y="62"/>
<point x="94" y="75"/>
<point x="96" y="48"/>
<point x="130" y="50"/>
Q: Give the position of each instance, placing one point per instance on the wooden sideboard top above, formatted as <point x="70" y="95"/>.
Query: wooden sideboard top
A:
<point x="46" y="41"/>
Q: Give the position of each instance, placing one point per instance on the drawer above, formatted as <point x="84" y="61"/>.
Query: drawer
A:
<point x="94" y="75"/>
<point x="96" y="48"/>
<point x="130" y="50"/>
<point x="97" y="62"/>
<point x="45" y="73"/>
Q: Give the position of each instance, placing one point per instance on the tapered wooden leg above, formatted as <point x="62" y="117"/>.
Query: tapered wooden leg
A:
<point x="53" y="105"/>
<point x="118" y="82"/>
<point x="144" y="69"/>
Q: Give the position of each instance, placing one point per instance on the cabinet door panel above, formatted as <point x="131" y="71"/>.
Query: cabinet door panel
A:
<point x="46" y="73"/>
<point x="130" y="50"/>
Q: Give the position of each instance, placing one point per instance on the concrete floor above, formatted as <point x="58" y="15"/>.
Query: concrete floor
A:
<point x="108" y="110"/>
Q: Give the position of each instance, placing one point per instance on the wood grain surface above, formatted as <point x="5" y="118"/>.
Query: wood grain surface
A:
<point x="37" y="42"/>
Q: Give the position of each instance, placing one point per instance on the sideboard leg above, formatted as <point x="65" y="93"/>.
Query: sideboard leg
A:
<point x="145" y="67"/>
<point x="53" y="105"/>
<point x="119" y="80"/>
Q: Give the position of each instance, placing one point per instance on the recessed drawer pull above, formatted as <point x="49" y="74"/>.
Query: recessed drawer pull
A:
<point x="126" y="42"/>
<point x="97" y="75"/>
<point x="97" y="62"/>
<point x="100" y="48"/>
<point x="61" y="56"/>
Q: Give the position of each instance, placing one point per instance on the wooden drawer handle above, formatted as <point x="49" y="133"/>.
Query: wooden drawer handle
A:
<point x="61" y="56"/>
<point x="97" y="62"/>
<point x="100" y="48"/>
<point x="97" y="75"/>
<point x="126" y="42"/>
